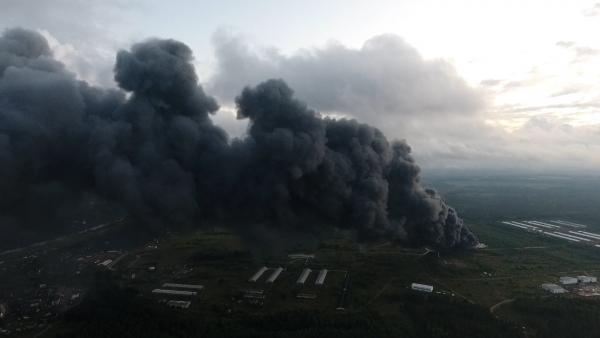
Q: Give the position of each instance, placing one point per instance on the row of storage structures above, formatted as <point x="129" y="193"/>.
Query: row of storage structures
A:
<point x="272" y="278"/>
<point x="320" y="280"/>
<point x="567" y="280"/>
<point x="551" y="230"/>
<point x="554" y="224"/>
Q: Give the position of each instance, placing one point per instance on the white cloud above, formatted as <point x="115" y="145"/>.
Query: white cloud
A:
<point x="448" y="123"/>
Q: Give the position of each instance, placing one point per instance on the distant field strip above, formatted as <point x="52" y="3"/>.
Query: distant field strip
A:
<point x="520" y="225"/>
<point x="586" y="234"/>
<point x="559" y="229"/>
<point x="560" y="236"/>
<point x="570" y="224"/>
<point x="543" y="225"/>
<point x="572" y="236"/>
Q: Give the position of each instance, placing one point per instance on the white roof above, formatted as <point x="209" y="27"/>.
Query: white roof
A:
<point x="183" y="286"/>
<point x="174" y="292"/>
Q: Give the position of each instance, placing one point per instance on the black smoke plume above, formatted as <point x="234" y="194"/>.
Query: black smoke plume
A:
<point x="151" y="149"/>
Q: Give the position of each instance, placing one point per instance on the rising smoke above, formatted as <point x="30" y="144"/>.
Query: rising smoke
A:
<point x="156" y="153"/>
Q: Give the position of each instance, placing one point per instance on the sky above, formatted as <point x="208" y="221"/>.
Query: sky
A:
<point x="493" y="85"/>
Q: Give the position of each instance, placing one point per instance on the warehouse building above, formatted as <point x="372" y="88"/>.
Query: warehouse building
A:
<point x="183" y="286"/>
<point x="174" y="292"/>
<point x="587" y="279"/>
<point x="321" y="277"/>
<point x="274" y="275"/>
<point x="566" y="280"/>
<point x="257" y="275"/>
<point x="553" y="288"/>
<point x="421" y="287"/>
<point x="303" y="276"/>
<point x="179" y="304"/>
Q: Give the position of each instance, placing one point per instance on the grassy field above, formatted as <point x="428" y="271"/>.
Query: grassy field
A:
<point x="379" y="301"/>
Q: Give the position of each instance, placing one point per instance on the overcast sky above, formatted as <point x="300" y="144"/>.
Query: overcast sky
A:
<point x="469" y="84"/>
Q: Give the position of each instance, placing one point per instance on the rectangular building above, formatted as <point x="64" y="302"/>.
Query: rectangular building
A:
<point x="421" y="287"/>
<point x="257" y="275"/>
<point x="274" y="275"/>
<point x="183" y="286"/>
<point x="174" y="292"/>
<point x="553" y="288"/>
<point x="321" y="277"/>
<point x="180" y="304"/>
<point x="303" y="276"/>
<point x="587" y="279"/>
<point x="566" y="280"/>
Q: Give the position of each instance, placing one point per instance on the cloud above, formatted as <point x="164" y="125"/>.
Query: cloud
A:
<point x="490" y="82"/>
<point x="565" y="44"/>
<point x="572" y="89"/>
<point x="387" y="82"/>
<point x="582" y="53"/>
<point x="592" y="11"/>
<point x="383" y="79"/>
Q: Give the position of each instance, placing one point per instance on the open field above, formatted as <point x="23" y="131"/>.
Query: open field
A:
<point x="490" y="292"/>
<point x="513" y="266"/>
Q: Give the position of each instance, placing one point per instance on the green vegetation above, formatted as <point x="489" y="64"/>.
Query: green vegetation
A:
<point x="380" y="303"/>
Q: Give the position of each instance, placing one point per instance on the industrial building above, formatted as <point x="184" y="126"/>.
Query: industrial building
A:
<point x="306" y="296"/>
<point x="174" y="292"/>
<point x="321" y="277"/>
<point x="566" y="280"/>
<point x="553" y="288"/>
<point x="303" y="276"/>
<point x="421" y="287"/>
<point x="106" y="263"/>
<point x="274" y="275"/>
<point x="257" y="275"/>
<point x="183" y="286"/>
<point x="255" y="297"/>
<point x="587" y="279"/>
<point x="180" y="304"/>
<point x="300" y="256"/>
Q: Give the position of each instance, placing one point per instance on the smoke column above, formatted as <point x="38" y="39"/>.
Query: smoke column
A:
<point x="156" y="154"/>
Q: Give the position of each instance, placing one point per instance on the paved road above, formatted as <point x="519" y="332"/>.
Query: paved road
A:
<point x="499" y="304"/>
<point x="61" y="238"/>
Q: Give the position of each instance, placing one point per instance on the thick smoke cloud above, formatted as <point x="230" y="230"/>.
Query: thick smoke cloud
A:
<point x="151" y="149"/>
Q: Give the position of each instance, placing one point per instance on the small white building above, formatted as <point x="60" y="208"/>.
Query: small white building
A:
<point x="274" y="275"/>
<point x="174" y="292"/>
<point x="257" y="275"/>
<point x="566" y="280"/>
<point x="303" y="276"/>
<point x="106" y="263"/>
<point x="321" y="277"/>
<point x="553" y="288"/>
<point x="183" y="286"/>
<point x="301" y="256"/>
<point x="587" y="279"/>
<point x="421" y="287"/>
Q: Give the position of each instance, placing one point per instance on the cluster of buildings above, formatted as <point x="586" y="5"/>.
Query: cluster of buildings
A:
<point x="568" y="281"/>
<point x="302" y="278"/>
<point x="270" y="274"/>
